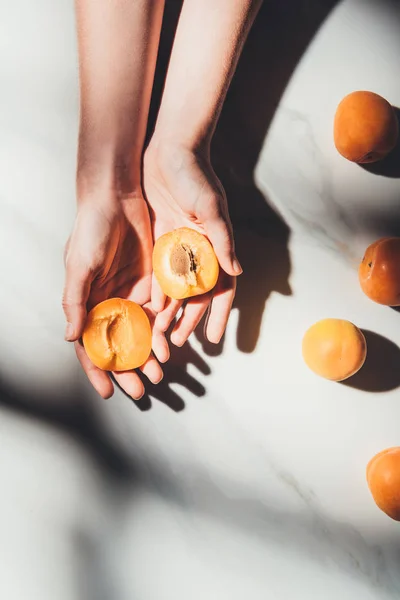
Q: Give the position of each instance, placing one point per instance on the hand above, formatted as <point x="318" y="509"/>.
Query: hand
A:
<point x="183" y="191"/>
<point x="109" y="255"/>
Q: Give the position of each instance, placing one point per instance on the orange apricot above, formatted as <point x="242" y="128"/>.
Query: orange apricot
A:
<point x="184" y="263"/>
<point x="117" y="335"/>
<point x="379" y="271"/>
<point x="383" y="477"/>
<point x="334" y="349"/>
<point x="365" y="127"/>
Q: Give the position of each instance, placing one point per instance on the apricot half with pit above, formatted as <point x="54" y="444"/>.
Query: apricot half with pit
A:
<point x="334" y="349"/>
<point x="379" y="271"/>
<point x="184" y="263"/>
<point x="117" y="335"/>
<point x="365" y="127"/>
<point x="383" y="477"/>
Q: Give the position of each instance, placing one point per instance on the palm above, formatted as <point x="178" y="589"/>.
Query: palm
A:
<point x="126" y="265"/>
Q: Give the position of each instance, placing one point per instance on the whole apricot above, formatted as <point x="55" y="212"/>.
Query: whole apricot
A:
<point x="117" y="335"/>
<point x="379" y="271"/>
<point x="365" y="127"/>
<point x="334" y="349"/>
<point x="383" y="477"/>
<point x="184" y="263"/>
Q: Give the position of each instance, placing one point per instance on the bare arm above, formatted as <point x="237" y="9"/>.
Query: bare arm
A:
<point x="118" y="44"/>
<point x="109" y="250"/>
<point x="180" y="183"/>
<point x="209" y="39"/>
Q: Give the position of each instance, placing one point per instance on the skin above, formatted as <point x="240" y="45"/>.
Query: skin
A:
<point x="109" y="251"/>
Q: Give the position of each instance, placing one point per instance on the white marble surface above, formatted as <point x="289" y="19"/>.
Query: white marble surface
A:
<point x="257" y="487"/>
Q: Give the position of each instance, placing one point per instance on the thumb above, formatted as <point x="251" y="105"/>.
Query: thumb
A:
<point x="218" y="228"/>
<point x="75" y="296"/>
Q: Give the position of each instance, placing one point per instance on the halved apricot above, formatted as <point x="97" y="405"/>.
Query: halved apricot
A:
<point x="117" y="335"/>
<point x="334" y="349"/>
<point x="365" y="127"/>
<point x="379" y="271"/>
<point x="184" y="263"/>
<point x="383" y="477"/>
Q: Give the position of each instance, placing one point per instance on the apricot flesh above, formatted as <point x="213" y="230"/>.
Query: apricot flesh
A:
<point x="184" y="263"/>
<point x="379" y="271"/>
<point x="383" y="477"/>
<point x="117" y="335"/>
<point x="365" y="127"/>
<point x="334" y="349"/>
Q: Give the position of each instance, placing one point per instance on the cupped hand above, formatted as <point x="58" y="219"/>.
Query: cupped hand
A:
<point x="183" y="191"/>
<point x="109" y="255"/>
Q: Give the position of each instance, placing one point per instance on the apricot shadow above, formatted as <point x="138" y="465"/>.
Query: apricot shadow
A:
<point x="381" y="370"/>
<point x="389" y="166"/>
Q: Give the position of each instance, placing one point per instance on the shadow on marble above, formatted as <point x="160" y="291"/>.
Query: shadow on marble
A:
<point x="390" y="166"/>
<point x="381" y="371"/>
<point x="276" y="43"/>
<point x="74" y="416"/>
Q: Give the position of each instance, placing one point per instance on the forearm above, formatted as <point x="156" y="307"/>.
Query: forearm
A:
<point x="117" y="44"/>
<point x="207" y="46"/>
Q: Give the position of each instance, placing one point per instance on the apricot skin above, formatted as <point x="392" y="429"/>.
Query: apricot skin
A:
<point x="117" y="335"/>
<point x="334" y="349"/>
<point x="184" y="263"/>
<point x="365" y="127"/>
<point x="383" y="477"/>
<point x="379" y="271"/>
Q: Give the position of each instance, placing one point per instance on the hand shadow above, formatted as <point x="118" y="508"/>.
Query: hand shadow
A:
<point x="389" y="166"/>
<point x="175" y="372"/>
<point x="381" y="370"/>
<point x="278" y="39"/>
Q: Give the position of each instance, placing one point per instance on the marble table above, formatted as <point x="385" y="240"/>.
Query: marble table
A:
<point x="242" y="474"/>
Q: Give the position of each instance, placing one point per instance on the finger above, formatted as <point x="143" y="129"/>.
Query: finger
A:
<point x="130" y="383"/>
<point x="99" y="379"/>
<point x="165" y="318"/>
<point x="220" y="309"/>
<point x="160" y="345"/>
<point x="158" y="297"/>
<point x="152" y="370"/>
<point x="75" y="296"/>
<point x="218" y="228"/>
<point x="190" y="318"/>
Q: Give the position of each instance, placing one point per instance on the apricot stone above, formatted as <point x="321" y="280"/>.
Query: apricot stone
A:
<point x="117" y="335"/>
<point x="334" y="349"/>
<point x="379" y="271"/>
<point x="184" y="263"/>
<point x="383" y="477"/>
<point x="365" y="127"/>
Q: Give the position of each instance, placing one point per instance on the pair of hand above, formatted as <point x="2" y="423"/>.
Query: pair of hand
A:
<point x="110" y="249"/>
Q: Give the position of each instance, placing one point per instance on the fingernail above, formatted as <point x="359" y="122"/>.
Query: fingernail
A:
<point x="236" y="267"/>
<point x="69" y="332"/>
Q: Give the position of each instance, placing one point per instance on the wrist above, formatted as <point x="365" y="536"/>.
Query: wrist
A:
<point x="193" y="137"/>
<point x="107" y="169"/>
